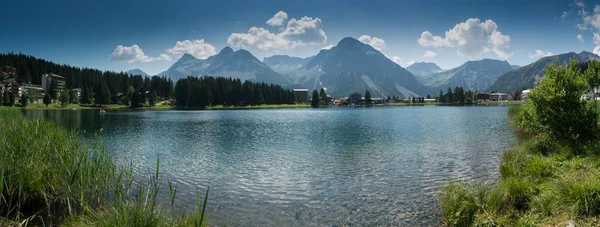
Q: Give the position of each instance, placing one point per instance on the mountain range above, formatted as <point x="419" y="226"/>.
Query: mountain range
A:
<point x="423" y="68"/>
<point x="227" y="63"/>
<point x="472" y="75"/>
<point x="529" y="75"/>
<point x="353" y="66"/>
<point x="137" y="72"/>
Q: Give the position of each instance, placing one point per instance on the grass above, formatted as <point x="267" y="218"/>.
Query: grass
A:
<point x="264" y="106"/>
<point x="541" y="184"/>
<point x="48" y="177"/>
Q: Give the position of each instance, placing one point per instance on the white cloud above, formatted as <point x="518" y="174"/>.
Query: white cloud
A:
<point x="375" y="42"/>
<point x="588" y="21"/>
<point x="564" y="15"/>
<point x="539" y="54"/>
<point x="399" y="61"/>
<point x="580" y="37"/>
<point x="197" y="48"/>
<point x="133" y="54"/>
<point x="303" y="32"/>
<point x="429" y="54"/>
<point x="596" y="50"/>
<point x="278" y="19"/>
<point x="596" y="38"/>
<point x="470" y="38"/>
<point x="327" y="47"/>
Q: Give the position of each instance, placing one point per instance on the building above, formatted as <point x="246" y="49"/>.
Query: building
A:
<point x="377" y="100"/>
<point x="47" y="81"/>
<point x="301" y="95"/>
<point x="430" y="100"/>
<point x="34" y="91"/>
<point x="525" y="94"/>
<point x="499" y="97"/>
<point x="483" y="96"/>
<point x="354" y="98"/>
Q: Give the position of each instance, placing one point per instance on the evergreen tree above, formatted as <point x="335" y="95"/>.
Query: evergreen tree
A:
<point x="368" y="99"/>
<point x="24" y="100"/>
<point x="1" y="98"/>
<point x="450" y="96"/>
<point x="63" y="98"/>
<point x="152" y="98"/>
<point x="323" y="97"/>
<point x="428" y="96"/>
<point x="11" y="99"/>
<point x="101" y="94"/>
<point x="73" y="97"/>
<point x="314" y="102"/>
<point x="47" y="99"/>
<point x="85" y="96"/>
<point x="441" y="97"/>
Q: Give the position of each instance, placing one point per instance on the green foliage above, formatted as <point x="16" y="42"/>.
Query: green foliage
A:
<point x="48" y="177"/>
<point x="556" y="108"/>
<point x="47" y="99"/>
<point x="73" y="97"/>
<point x="201" y="92"/>
<point x="314" y="101"/>
<point x="368" y="99"/>
<point x="101" y="94"/>
<point x="581" y="195"/>
<point x="473" y="205"/>
<point x="323" y="97"/>
<point x="24" y="100"/>
<point x="63" y="98"/>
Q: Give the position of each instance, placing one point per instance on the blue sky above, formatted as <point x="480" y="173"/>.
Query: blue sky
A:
<point x="152" y="35"/>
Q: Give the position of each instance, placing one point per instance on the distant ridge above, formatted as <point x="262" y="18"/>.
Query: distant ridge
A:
<point x="529" y="75"/>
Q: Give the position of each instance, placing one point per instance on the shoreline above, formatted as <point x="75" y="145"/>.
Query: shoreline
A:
<point x="265" y="106"/>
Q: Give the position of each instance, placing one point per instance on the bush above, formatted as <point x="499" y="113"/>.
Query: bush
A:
<point x="557" y="110"/>
<point x="519" y="192"/>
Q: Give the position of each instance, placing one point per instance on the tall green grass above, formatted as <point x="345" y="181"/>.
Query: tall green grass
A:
<point x="48" y="177"/>
<point x="541" y="184"/>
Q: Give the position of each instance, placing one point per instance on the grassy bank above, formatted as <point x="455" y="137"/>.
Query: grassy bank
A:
<point x="551" y="177"/>
<point x="48" y="177"/>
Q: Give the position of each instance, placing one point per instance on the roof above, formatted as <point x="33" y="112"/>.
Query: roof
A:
<point x="54" y="75"/>
<point x="301" y="90"/>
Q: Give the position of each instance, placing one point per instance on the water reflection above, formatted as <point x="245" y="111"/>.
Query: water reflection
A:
<point x="309" y="167"/>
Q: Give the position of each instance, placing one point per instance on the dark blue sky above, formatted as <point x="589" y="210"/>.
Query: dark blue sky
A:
<point x="102" y="34"/>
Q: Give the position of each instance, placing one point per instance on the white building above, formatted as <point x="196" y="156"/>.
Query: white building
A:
<point x="48" y="78"/>
<point x="525" y="94"/>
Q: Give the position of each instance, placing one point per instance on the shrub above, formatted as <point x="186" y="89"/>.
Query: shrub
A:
<point x="582" y="195"/>
<point x="519" y="192"/>
<point x="557" y="110"/>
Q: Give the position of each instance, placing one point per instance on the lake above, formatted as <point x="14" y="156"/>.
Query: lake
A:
<point x="306" y="167"/>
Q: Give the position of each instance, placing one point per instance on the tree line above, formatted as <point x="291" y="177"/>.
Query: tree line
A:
<point x="457" y="96"/>
<point x="201" y="92"/>
<point x="97" y="87"/>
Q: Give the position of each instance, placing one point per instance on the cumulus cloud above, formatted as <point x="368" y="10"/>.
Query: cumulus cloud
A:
<point x="399" y="61"/>
<point x="197" y="48"/>
<point x="429" y="54"/>
<point x="470" y="38"/>
<point x="375" y="42"/>
<point x="539" y="54"/>
<point x="564" y="15"/>
<point x="298" y="32"/>
<point x="134" y="53"/>
<point x="327" y="47"/>
<point x="278" y="19"/>
<point x="580" y="37"/>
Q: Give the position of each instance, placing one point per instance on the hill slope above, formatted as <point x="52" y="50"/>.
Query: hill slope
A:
<point x="473" y="75"/>
<point x="529" y="75"/>
<point x="227" y="63"/>
<point x="353" y="66"/>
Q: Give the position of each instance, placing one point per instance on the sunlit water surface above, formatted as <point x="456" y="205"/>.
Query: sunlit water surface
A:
<point x="306" y="167"/>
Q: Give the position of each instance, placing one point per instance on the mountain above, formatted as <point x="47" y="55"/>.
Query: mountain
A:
<point x="285" y="63"/>
<point x="352" y="66"/>
<point x="239" y="64"/>
<point x="529" y="75"/>
<point x="472" y="75"/>
<point x="423" y="68"/>
<point x="515" y="66"/>
<point x="137" y="72"/>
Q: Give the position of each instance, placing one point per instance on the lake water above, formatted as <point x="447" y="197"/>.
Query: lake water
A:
<point x="307" y="167"/>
